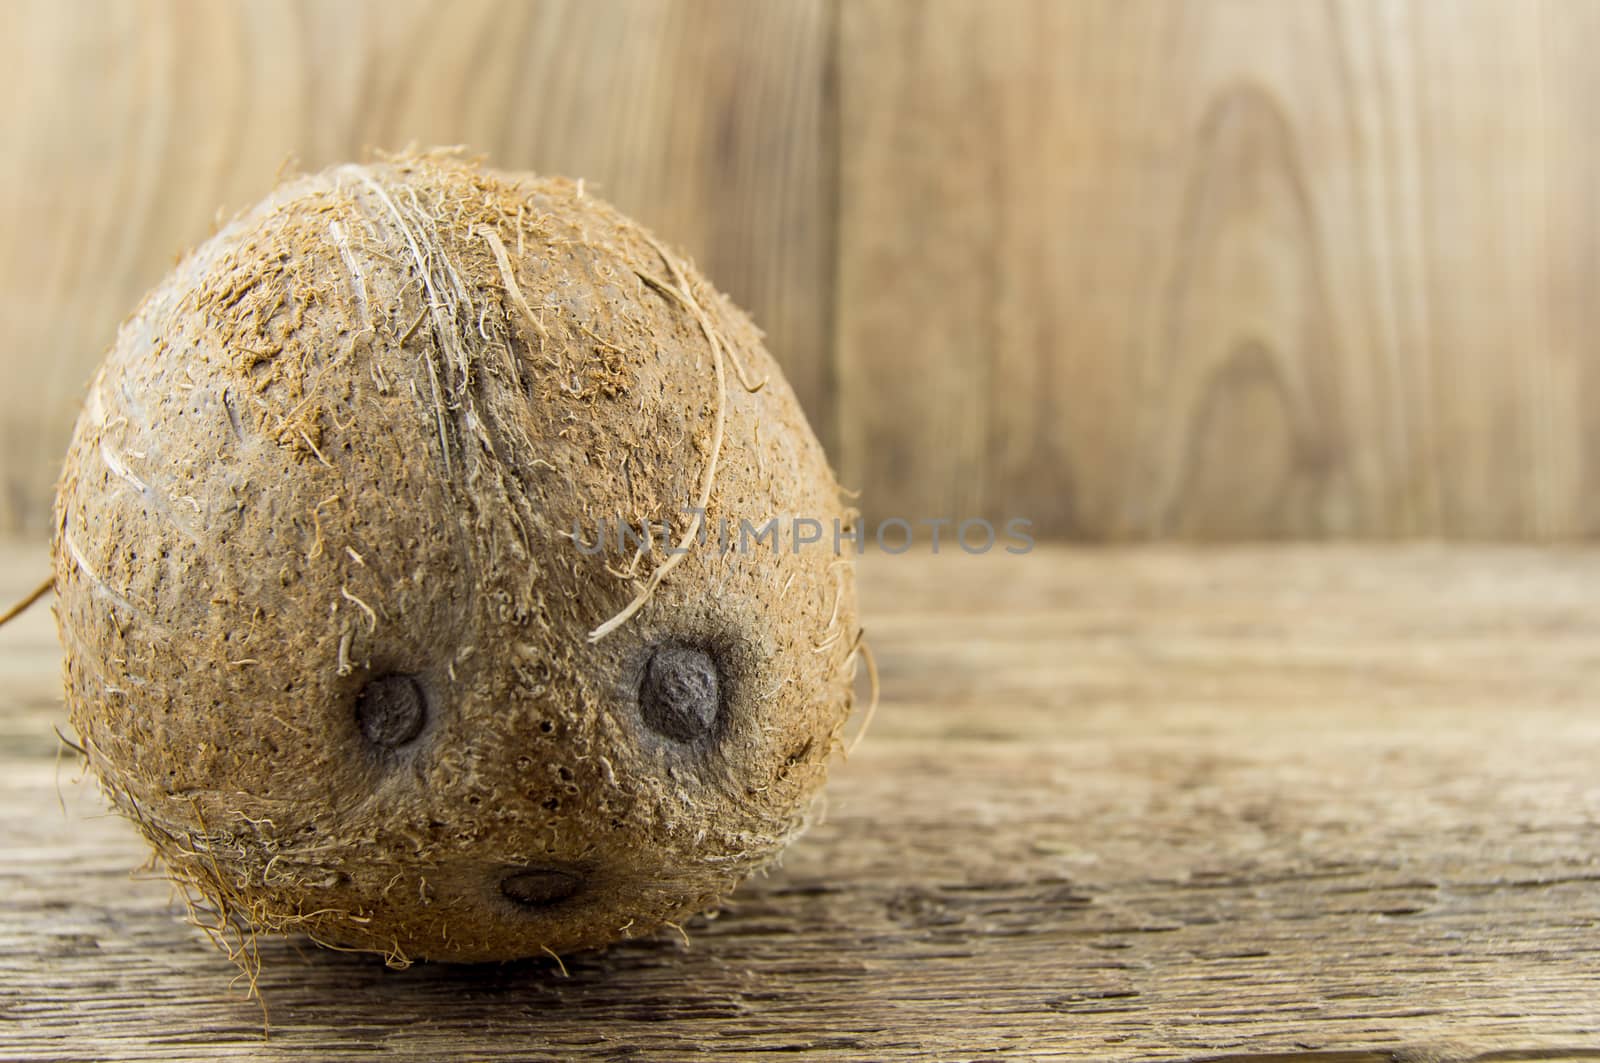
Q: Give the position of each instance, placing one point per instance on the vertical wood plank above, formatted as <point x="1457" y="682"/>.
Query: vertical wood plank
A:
<point x="1221" y="269"/>
<point x="1571" y="279"/>
<point x="130" y="125"/>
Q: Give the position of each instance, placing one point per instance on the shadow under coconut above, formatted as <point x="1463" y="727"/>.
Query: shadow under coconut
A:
<point x="762" y="955"/>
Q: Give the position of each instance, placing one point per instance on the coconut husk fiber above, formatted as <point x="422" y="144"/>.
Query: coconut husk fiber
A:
<point x="335" y="637"/>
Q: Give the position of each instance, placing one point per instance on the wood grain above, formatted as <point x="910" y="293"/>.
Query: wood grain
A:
<point x="1329" y="804"/>
<point x="1222" y="269"/>
<point x="1133" y="269"/>
<point x="131" y="126"/>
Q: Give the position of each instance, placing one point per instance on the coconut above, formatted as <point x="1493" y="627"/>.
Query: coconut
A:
<point x="352" y="632"/>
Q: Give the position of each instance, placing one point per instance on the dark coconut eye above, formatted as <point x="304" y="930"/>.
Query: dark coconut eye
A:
<point x="679" y="696"/>
<point x="392" y="710"/>
<point x="538" y="887"/>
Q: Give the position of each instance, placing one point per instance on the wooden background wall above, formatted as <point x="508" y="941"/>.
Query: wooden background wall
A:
<point x="1133" y="268"/>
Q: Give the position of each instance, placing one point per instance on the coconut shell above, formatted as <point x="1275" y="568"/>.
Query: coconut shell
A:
<point x="338" y="636"/>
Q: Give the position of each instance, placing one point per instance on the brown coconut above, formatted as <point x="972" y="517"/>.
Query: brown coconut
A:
<point x="335" y="639"/>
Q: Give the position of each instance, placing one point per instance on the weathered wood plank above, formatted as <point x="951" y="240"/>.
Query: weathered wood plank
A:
<point x="130" y="127"/>
<point x="1322" y="803"/>
<point x="1222" y="269"/>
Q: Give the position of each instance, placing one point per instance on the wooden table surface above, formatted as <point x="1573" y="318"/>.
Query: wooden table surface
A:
<point x="1331" y="803"/>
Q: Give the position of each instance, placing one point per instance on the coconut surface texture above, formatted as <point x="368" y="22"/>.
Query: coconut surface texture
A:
<point x="341" y="637"/>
